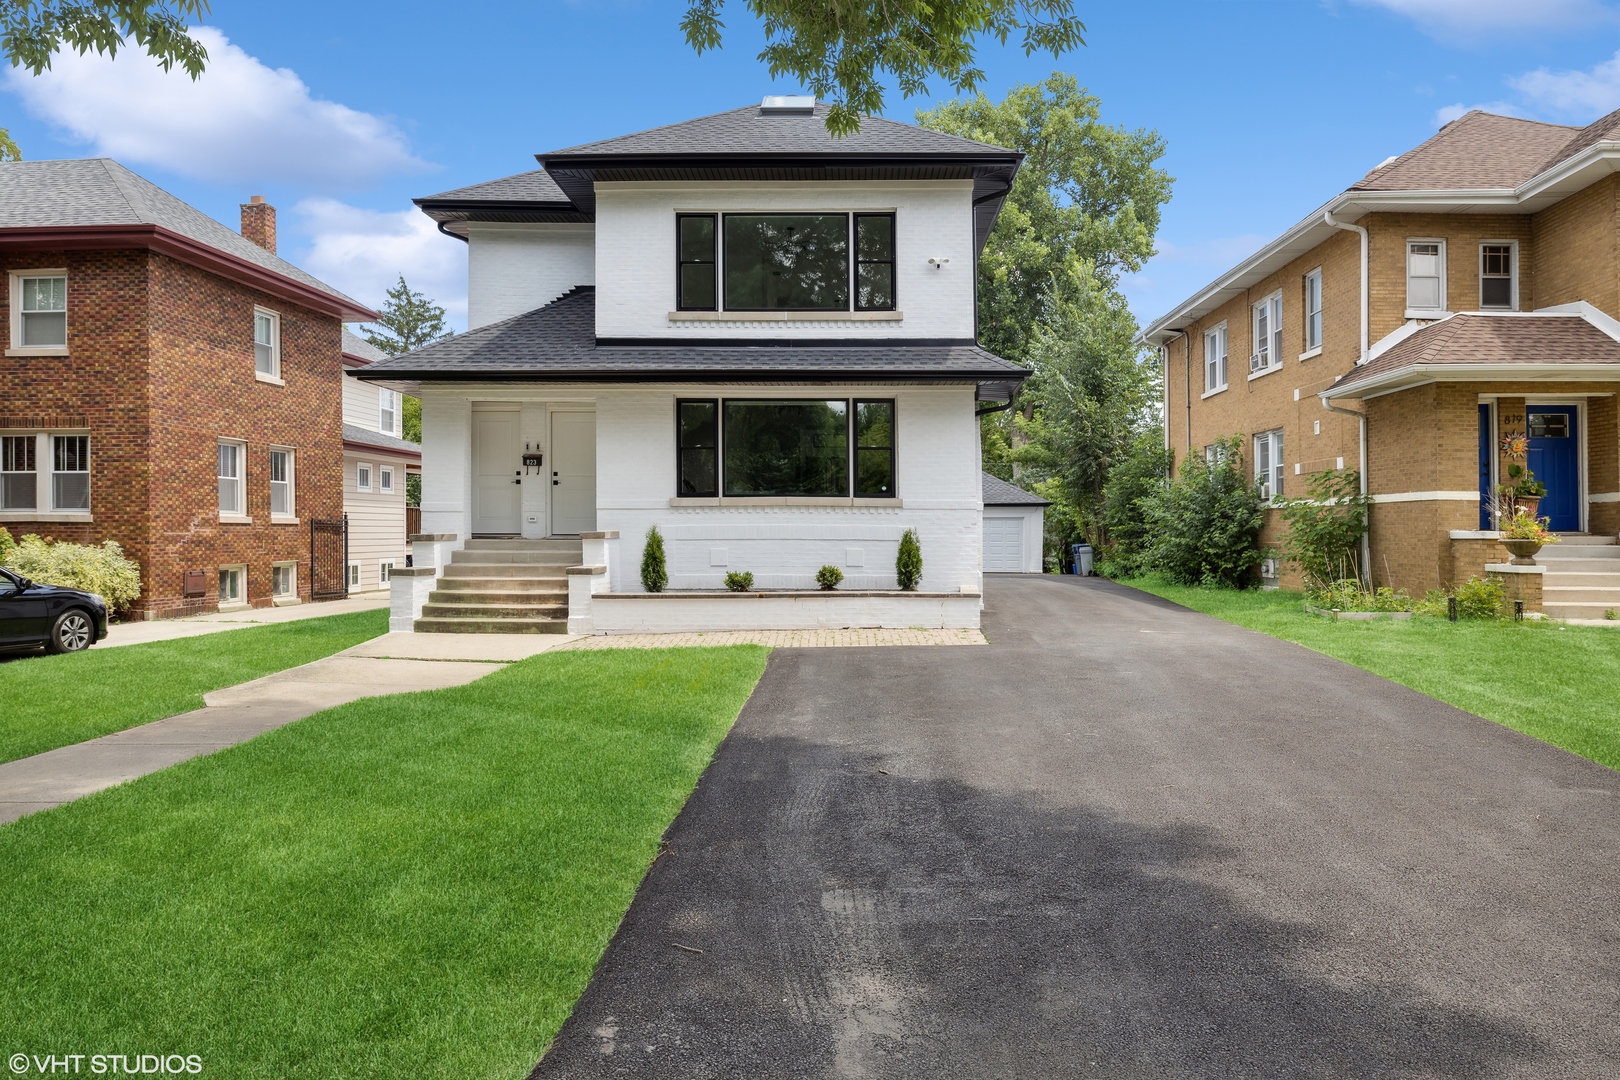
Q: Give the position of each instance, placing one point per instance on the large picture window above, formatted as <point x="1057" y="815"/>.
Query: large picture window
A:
<point x="751" y="448"/>
<point x="695" y="251"/>
<point x="786" y="447"/>
<point x="787" y="262"/>
<point x="698" y="434"/>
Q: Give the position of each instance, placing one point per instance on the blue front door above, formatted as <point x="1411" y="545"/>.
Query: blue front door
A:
<point x="1555" y="460"/>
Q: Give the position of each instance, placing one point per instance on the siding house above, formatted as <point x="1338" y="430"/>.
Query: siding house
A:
<point x="738" y="329"/>
<point x="166" y="383"/>
<point x="1457" y="301"/>
<point x="376" y="460"/>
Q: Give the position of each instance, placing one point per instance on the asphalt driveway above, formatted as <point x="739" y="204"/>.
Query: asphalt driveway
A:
<point x="1124" y="840"/>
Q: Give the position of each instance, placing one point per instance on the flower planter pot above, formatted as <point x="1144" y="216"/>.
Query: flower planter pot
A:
<point x="1523" y="551"/>
<point x="1527" y="502"/>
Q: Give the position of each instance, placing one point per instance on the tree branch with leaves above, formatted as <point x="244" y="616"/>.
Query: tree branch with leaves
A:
<point x="840" y="50"/>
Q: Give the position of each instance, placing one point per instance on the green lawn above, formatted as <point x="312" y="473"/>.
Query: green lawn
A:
<point x="53" y="701"/>
<point x="1553" y="682"/>
<point x="413" y="885"/>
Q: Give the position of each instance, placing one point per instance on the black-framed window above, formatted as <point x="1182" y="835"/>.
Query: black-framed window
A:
<point x="874" y="449"/>
<point x="789" y="447"/>
<point x="698" y="436"/>
<point x="874" y="262"/>
<point x="786" y="262"/>
<point x="695" y="263"/>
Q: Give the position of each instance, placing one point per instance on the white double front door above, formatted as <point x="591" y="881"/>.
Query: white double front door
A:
<point x="566" y="481"/>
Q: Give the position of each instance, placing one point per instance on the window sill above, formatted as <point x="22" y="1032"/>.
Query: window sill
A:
<point x="39" y="350"/>
<point x="285" y="601"/>
<point x="283" y="519"/>
<point x="1424" y="314"/>
<point x="235" y="519"/>
<point x="234" y="605"/>
<point x="1311" y="354"/>
<point x="1253" y="375"/>
<point x="1212" y="393"/>
<point x="786" y="316"/>
<point x="59" y="517"/>
<point x="786" y="500"/>
<point x="259" y="376"/>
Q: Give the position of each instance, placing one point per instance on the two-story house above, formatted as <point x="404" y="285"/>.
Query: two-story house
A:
<point x="1458" y="296"/>
<point x="166" y="383"/>
<point x="376" y="460"/>
<point x="754" y="336"/>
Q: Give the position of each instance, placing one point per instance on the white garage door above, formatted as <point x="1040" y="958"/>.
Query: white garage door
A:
<point x="1003" y="545"/>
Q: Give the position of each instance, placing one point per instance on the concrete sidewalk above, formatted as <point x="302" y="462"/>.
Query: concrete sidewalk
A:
<point x="138" y="633"/>
<point x="385" y="665"/>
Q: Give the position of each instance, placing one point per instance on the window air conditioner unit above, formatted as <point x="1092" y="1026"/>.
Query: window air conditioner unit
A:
<point x="1256" y="362"/>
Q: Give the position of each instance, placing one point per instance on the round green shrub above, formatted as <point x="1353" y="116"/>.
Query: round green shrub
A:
<point x="654" y="571"/>
<point x="740" y="580"/>
<point x="828" y="577"/>
<point x="99" y="568"/>
<point x="908" y="563"/>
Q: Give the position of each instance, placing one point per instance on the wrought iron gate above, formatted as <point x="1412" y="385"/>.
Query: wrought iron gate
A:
<point x="329" y="558"/>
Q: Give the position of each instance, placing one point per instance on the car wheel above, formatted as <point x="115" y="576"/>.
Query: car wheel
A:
<point x="71" y="632"/>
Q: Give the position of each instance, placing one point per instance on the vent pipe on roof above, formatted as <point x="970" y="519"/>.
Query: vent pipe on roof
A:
<point x="791" y="105"/>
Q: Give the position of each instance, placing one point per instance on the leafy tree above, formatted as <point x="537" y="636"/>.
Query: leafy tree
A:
<point x="1085" y="204"/>
<point x="1131" y="487"/>
<point x="1325" y="530"/>
<point x="1205" y="525"/>
<point x="31" y="31"/>
<point x="839" y="50"/>
<point x="409" y="321"/>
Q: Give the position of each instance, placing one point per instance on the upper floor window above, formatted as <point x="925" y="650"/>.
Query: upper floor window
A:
<point x="1425" y="276"/>
<point x="1267" y="335"/>
<point x="695" y="262"/>
<point x="39" y="310"/>
<point x="1498" y="275"/>
<point x="1215" y="359"/>
<point x="1268" y="463"/>
<point x="266" y="343"/>
<point x="388" y="411"/>
<point x="785" y="262"/>
<point x="1313" y="310"/>
<point x="385" y="479"/>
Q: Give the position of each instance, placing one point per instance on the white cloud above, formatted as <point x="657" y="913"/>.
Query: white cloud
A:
<point x="364" y="252"/>
<point x="1584" y="94"/>
<point x="241" y="122"/>
<point x="1472" y="20"/>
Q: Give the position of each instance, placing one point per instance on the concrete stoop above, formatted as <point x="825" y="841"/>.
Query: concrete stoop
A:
<point x="502" y="587"/>
<point x="1582" y="580"/>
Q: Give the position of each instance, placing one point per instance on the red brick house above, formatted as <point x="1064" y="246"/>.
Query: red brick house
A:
<point x="166" y="383"/>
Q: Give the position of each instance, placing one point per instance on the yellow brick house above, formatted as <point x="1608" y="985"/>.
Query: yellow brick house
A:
<point x="1464" y="291"/>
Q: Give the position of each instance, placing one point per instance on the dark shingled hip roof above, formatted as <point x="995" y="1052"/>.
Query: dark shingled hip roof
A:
<point x="998" y="492"/>
<point x="526" y="197"/>
<point x="557" y="343"/>
<point x="1468" y="339"/>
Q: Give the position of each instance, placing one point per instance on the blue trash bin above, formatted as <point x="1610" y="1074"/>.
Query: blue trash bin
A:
<point x="1082" y="559"/>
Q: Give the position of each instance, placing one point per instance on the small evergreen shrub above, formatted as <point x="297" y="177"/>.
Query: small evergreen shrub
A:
<point x="740" y="580"/>
<point x="828" y="577"/>
<point x="1205" y="525"/>
<point x="908" y="563"/>
<point x="99" y="568"/>
<point x="654" y="571"/>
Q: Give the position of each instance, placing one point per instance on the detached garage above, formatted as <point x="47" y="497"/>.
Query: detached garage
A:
<point x="1014" y="528"/>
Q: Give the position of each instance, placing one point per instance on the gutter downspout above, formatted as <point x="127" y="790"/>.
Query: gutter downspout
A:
<point x="1361" y="417"/>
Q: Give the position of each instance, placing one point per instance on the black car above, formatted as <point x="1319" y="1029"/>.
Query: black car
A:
<point x="62" y="620"/>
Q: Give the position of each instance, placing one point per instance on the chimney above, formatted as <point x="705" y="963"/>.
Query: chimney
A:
<point x="259" y="223"/>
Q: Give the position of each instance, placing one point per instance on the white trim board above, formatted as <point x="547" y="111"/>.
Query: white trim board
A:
<point x="1427" y="496"/>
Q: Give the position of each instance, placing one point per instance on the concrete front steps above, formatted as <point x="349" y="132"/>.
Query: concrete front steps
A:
<point x="502" y="587"/>
<point x="1583" y="577"/>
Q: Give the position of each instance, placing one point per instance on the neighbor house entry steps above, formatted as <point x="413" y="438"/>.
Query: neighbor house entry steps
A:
<point x="1582" y="580"/>
<point x="503" y="587"/>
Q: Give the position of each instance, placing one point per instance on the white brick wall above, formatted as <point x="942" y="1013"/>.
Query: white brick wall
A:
<point x="513" y="268"/>
<point x="635" y="254"/>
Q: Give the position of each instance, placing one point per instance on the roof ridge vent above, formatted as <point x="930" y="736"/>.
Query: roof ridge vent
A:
<point x="788" y="105"/>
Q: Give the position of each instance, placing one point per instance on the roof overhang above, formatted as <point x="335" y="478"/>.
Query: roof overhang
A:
<point x="1535" y="194"/>
<point x="992" y="174"/>
<point x="373" y="448"/>
<point x="453" y="215"/>
<point x="185" y="249"/>
<point x="1405" y="378"/>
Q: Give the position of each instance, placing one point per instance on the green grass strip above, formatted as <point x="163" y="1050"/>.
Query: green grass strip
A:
<point x="1550" y="681"/>
<point x="413" y="885"/>
<point x="53" y="701"/>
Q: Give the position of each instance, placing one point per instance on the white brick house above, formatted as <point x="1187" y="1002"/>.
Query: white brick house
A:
<point x="757" y="338"/>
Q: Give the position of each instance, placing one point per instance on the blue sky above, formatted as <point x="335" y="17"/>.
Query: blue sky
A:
<point x="340" y="113"/>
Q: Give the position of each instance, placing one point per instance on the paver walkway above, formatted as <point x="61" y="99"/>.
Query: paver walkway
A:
<point x="384" y="665"/>
<point x="1123" y="840"/>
